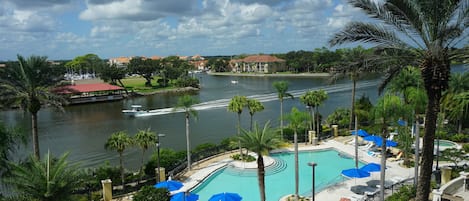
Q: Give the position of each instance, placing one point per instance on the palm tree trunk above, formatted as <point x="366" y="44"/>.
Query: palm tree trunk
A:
<point x="317" y="122"/>
<point x="35" y="135"/>
<point x="383" y="164"/>
<point x="141" y="165"/>
<point x="189" y="166"/>
<point x="295" y="140"/>
<point x="239" y="134"/>
<point x="314" y="121"/>
<point x="311" y="113"/>
<point x="281" y="118"/>
<point x="261" y="175"/>
<point x="352" y="110"/>
<point x="426" y="168"/>
<point x="121" y="170"/>
<point x="460" y="125"/>
<point x="250" y="128"/>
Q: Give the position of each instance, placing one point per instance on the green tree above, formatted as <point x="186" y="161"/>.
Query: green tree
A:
<point x="296" y="120"/>
<point x="10" y="140"/>
<point x="313" y="99"/>
<point x="388" y="109"/>
<point x="282" y="88"/>
<point x="237" y="104"/>
<point x="119" y="141"/>
<point x="426" y="30"/>
<point x="85" y="64"/>
<point x="144" y="67"/>
<point x="144" y="139"/>
<point x="112" y="74"/>
<point x="150" y="193"/>
<point x="254" y="106"/>
<point x="47" y="180"/>
<point x="453" y="100"/>
<point x="185" y="103"/>
<point x="29" y="85"/>
<point x="340" y="116"/>
<point x="260" y="141"/>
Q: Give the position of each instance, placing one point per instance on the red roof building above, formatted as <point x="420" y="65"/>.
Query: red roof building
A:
<point x="258" y="64"/>
<point x="88" y="93"/>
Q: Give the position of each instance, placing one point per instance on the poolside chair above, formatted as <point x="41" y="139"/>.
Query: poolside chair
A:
<point x="397" y="158"/>
<point x="374" y="154"/>
<point x="367" y="146"/>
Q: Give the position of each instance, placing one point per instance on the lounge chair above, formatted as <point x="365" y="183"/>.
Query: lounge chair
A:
<point x="374" y="154"/>
<point x="367" y="146"/>
<point x="397" y="158"/>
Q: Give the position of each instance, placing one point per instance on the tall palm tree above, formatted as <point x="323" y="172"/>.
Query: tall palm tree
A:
<point x="144" y="139"/>
<point x="426" y="30"/>
<point x="10" y="140"/>
<point x="260" y="142"/>
<point x="237" y="104"/>
<point x="119" y="141"/>
<point x="186" y="102"/>
<point x="313" y="99"/>
<point x="254" y="106"/>
<point x="47" y="180"/>
<point x="387" y="110"/>
<point x="28" y="84"/>
<point x="452" y="101"/>
<point x="282" y="88"/>
<point x="296" y="119"/>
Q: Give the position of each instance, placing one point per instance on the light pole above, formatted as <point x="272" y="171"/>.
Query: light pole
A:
<point x="158" y="154"/>
<point x="313" y="165"/>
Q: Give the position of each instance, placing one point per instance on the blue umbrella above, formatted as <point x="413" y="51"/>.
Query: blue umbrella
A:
<point x="361" y="133"/>
<point x="225" y="197"/>
<point x="401" y="122"/>
<point x="372" y="138"/>
<point x="171" y="185"/>
<point x="183" y="196"/>
<point x="389" y="143"/>
<point x="371" y="167"/>
<point x="355" y="173"/>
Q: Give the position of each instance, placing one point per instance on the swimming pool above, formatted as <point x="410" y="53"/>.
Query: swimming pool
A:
<point x="446" y="144"/>
<point x="280" y="178"/>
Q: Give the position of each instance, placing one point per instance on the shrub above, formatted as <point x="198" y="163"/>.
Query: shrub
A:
<point x="150" y="193"/>
<point x="106" y="171"/>
<point x="246" y="158"/>
<point x="168" y="159"/>
<point x="458" y="138"/>
<point x="204" y="146"/>
<point x="405" y="193"/>
<point x="465" y="147"/>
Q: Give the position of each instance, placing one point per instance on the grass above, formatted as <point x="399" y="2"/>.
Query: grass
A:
<point x="137" y="84"/>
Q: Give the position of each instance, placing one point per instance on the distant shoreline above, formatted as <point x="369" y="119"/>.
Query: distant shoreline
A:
<point x="271" y="75"/>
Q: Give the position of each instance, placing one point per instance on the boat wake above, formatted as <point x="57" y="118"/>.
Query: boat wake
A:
<point x="221" y="103"/>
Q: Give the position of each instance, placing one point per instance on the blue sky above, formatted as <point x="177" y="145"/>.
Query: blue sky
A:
<point x="64" y="29"/>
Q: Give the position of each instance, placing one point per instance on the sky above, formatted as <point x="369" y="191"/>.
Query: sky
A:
<point x="65" y="29"/>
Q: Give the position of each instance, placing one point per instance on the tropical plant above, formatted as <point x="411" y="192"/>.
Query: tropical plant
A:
<point x="313" y="99"/>
<point x="296" y="120"/>
<point x="237" y="104"/>
<point x="29" y="84"/>
<point x="260" y="141"/>
<point x="119" y="141"/>
<point x="169" y="159"/>
<point x="144" y="67"/>
<point x="453" y="155"/>
<point x="363" y="108"/>
<point x="144" y="139"/>
<point x="254" y="106"/>
<point x="150" y="193"/>
<point x="48" y="180"/>
<point x="422" y="32"/>
<point x="185" y="103"/>
<point x="10" y="140"/>
<point x="340" y="117"/>
<point x="455" y="101"/>
<point x="405" y="142"/>
<point x="282" y="88"/>
<point x="388" y="109"/>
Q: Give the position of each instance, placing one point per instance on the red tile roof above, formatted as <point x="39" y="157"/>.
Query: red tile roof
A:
<point x="82" y="88"/>
<point x="262" y="58"/>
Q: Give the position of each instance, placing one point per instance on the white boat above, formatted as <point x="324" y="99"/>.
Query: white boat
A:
<point x="134" y="111"/>
<point x="234" y="81"/>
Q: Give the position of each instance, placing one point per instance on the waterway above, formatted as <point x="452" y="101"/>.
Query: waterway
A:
<point x="83" y="130"/>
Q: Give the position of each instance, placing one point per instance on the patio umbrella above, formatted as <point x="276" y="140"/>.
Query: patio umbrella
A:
<point x="171" y="185"/>
<point x="361" y="133"/>
<point x="371" y="167"/>
<point x="225" y="197"/>
<point x="355" y="173"/>
<point x="372" y="138"/>
<point x="183" y="196"/>
<point x="389" y="143"/>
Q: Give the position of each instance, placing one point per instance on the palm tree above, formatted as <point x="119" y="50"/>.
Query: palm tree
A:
<point x="29" y="85"/>
<point x="47" y="180"/>
<point x="260" y="142"/>
<point x="458" y="84"/>
<point x="144" y="139"/>
<point x="426" y="30"/>
<point x="10" y="140"/>
<point x="387" y="110"/>
<point x="282" y="88"/>
<point x="119" y="141"/>
<point x="313" y="99"/>
<point x="254" y="106"/>
<point x="237" y="105"/>
<point x="296" y="119"/>
<point x="186" y="102"/>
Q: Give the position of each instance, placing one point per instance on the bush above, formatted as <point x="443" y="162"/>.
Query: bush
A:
<point x="150" y="193"/>
<point x="246" y="158"/>
<point x="106" y="171"/>
<point x="168" y="159"/>
<point x="204" y="146"/>
<point x="465" y="147"/>
<point x="405" y="193"/>
<point x="458" y="138"/>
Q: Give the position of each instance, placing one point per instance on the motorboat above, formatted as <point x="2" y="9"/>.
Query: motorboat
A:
<point x="234" y="81"/>
<point x="134" y="110"/>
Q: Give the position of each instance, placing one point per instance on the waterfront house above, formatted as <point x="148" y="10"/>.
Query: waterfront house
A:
<point x="90" y="93"/>
<point x="258" y="64"/>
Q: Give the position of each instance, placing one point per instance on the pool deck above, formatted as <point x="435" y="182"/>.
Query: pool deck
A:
<point x="394" y="171"/>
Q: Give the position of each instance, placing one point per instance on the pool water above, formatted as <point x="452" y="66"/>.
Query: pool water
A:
<point x="445" y="143"/>
<point x="280" y="178"/>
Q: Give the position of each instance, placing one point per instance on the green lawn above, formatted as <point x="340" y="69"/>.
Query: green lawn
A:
<point x="137" y="84"/>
